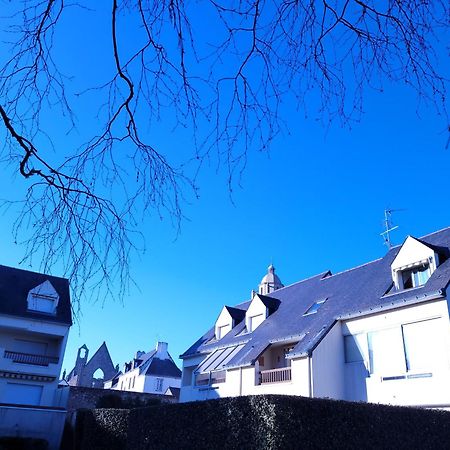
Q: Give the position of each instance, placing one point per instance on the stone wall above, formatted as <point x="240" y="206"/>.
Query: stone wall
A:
<point x="84" y="397"/>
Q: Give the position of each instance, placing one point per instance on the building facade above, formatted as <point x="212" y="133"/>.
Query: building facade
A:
<point x="153" y="372"/>
<point x="35" y="317"/>
<point x="379" y="333"/>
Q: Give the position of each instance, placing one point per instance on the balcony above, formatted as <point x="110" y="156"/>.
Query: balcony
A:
<point x="276" y="375"/>
<point x="28" y="358"/>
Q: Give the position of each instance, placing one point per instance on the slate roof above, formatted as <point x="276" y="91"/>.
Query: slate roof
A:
<point x="163" y="368"/>
<point x="15" y="284"/>
<point x="361" y="290"/>
<point x="150" y="364"/>
<point x="236" y="313"/>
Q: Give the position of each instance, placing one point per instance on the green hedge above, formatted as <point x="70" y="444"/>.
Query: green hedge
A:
<point x="264" y="422"/>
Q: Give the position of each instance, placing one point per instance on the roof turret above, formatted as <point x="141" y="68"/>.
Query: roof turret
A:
<point x="270" y="282"/>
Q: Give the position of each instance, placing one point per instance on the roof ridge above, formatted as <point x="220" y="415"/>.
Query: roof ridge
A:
<point x="321" y="274"/>
<point x="435" y="232"/>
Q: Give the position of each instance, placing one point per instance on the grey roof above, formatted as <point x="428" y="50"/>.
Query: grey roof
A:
<point x="236" y="313"/>
<point x="361" y="290"/>
<point x="174" y="391"/>
<point x="150" y="364"/>
<point x="163" y="368"/>
<point x="15" y="284"/>
<point x="269" y="302"/>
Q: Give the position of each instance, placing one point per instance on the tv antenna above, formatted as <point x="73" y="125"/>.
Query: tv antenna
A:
<point x="388" y="226"/>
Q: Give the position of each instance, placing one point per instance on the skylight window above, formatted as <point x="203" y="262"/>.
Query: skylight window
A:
<point x="314" y="307"/>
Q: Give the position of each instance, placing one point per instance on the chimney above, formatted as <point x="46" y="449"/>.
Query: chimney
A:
<point x="161" y="350"/>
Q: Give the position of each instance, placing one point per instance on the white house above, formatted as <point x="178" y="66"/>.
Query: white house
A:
<point x="35" y="317"/>
<point x="153" y="372"/>
<point x="376" y="333"/>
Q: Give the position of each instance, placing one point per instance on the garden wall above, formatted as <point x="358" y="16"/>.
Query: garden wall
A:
<point x="257" y="422"/>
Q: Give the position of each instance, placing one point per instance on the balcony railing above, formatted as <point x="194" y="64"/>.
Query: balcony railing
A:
<point x="28" y="358"/>
<point x="276" y="375"/>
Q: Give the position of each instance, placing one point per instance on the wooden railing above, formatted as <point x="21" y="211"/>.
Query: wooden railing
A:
<point x="28" y="358"/>
<point x="276" y="375"/>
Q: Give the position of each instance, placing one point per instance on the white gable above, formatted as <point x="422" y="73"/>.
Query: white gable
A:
<point x="412" y="254"/>
<point x="256" y="314"/>
<point x="43" y="298"/>
<point x="224" y="323"/>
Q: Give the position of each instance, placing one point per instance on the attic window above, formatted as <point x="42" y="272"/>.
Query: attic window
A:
<point x="223" y="330"/>
<point x="43" y="298"/>
<point x="314" y="307"/>
<point x="415" y="276"/>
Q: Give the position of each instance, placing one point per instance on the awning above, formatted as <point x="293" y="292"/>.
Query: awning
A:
<point x="218" y="359"/>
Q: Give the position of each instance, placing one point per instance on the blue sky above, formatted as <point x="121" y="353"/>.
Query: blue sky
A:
<point x="314" y="203"/>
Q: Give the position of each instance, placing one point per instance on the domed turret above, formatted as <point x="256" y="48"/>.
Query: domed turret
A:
<point x="270" y="282"/>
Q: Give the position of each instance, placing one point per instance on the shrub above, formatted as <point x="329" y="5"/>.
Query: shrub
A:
<point x="117" y="402"/>
<point x="18" y="443"/>
<point x="266" y="422"/>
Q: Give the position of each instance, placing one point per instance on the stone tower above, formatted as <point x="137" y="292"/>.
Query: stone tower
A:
<point x="270" y="282"/>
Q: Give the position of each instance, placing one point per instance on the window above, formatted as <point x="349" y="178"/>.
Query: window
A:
<point x="218" y="377"/>
<point x="159" y="384"/>
<point x="43" y="298"/>
<point x="21" y="394"/>
<point x="415" y="276"/>
<point x="223" y="330"/>
<point x="41" y="303"/>
<point x="423" y="345"/>
<point x="386" y="352"/>
<point x="314" y="307"/>
<point x="254" y="322"/>
<point x="206" y="379"/>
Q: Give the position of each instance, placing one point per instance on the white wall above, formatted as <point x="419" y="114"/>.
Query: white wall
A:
<point x="328" y="365"/>
<point x="33" y="422"/>
<point x="426" y="391"/>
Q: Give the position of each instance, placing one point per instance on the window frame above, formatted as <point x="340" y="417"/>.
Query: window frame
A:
<point x="314" y="307"/>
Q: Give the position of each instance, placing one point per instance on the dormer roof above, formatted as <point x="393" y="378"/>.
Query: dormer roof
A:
<point x="237" y="314"/>
<point x="270" y="302"/>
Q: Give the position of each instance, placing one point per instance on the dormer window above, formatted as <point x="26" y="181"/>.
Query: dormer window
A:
<point x="227" y="320"/>
<point x="414" y="264"/>
<point x="223" y="330"/>
<point x="254" y="322"/>
<point x="415" y="276"/>
<point x="43" y="298"/>
<point x="259" y="310"/>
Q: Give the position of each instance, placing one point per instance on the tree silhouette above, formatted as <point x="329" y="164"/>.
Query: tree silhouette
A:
<point x="220" y="69"/>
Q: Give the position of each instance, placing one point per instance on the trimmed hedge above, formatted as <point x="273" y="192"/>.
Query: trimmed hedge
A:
<point x="117" y="402"/>
<point x="18" y="443"/>
<point x="264" y="422"/>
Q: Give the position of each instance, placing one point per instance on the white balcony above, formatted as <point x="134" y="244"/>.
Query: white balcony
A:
<point x="276" y="375"/>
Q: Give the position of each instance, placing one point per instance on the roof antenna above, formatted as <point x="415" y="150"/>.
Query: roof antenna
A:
<point x="388" y="226"/>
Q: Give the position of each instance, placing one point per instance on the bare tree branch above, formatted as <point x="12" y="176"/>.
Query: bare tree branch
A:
<point x="223" y="75"/>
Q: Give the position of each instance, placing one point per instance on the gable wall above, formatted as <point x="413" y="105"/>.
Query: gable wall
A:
<point x="328" y="365"/>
